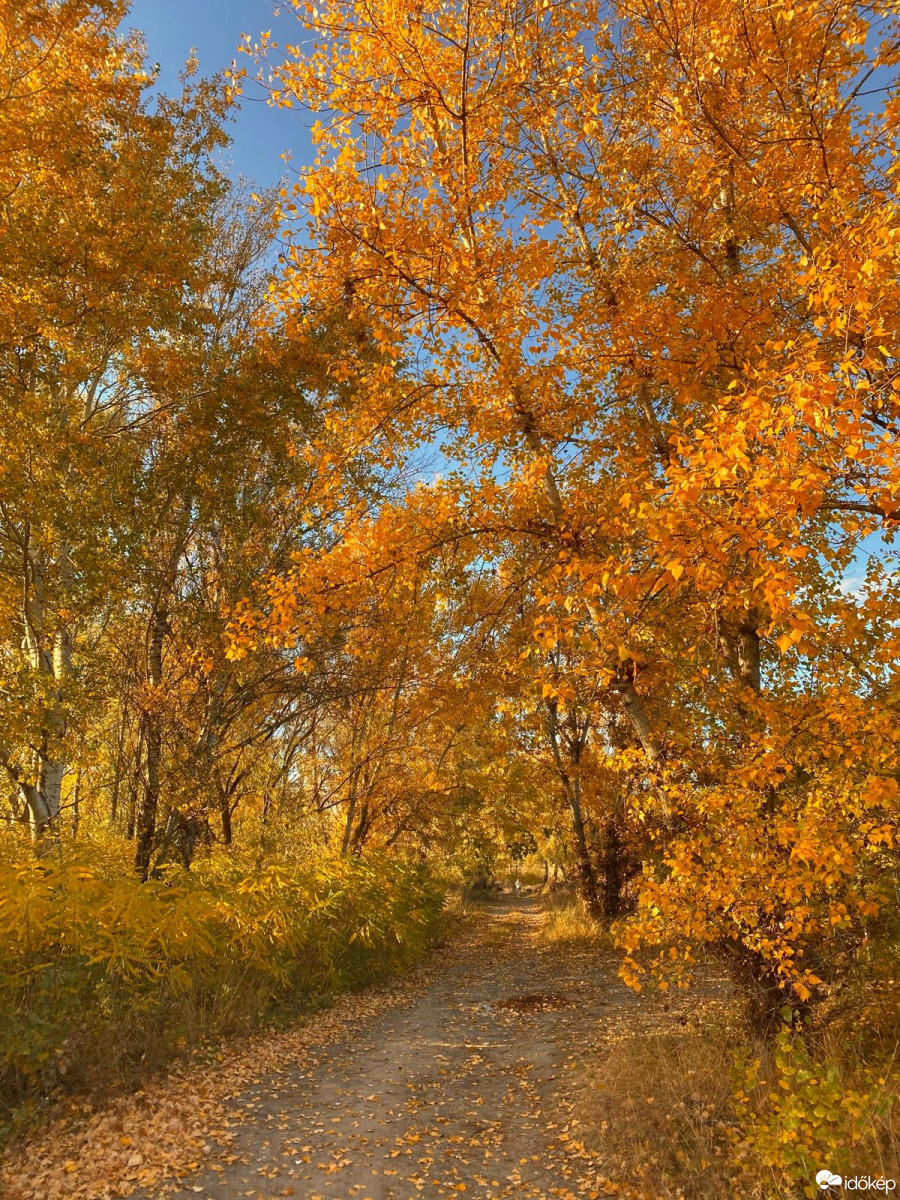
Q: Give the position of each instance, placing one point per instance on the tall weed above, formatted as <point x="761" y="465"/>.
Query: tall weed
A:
<point x="102" y="977"/>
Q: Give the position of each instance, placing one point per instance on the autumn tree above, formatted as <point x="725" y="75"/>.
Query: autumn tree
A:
<point x="638" y="267"/>
<point x="104" y="216"/>
<point x="166" y="465"/>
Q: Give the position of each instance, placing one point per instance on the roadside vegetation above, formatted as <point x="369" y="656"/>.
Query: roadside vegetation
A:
<point x="104" y="979"/>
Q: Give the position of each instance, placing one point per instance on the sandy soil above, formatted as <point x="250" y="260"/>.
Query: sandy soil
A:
<point x="464" y="1089"/>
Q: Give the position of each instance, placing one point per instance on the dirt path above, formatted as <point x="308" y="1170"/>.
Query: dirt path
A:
<point x="460" y="1080"/>
<point x="452" y="1093"/>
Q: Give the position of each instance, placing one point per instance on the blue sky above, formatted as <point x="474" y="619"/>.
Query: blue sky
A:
<point x="214" y="27"/>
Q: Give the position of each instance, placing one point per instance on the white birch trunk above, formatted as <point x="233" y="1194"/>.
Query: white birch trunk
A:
<point x="50" y="656"/>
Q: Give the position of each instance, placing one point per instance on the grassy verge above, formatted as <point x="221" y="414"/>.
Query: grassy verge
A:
<point x="568" y="922"/>
<point x="704" y="1113"/>
<point x="104" y="979"/>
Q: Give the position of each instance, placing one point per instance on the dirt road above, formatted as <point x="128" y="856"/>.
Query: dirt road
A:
<point x="463" y="1090"/>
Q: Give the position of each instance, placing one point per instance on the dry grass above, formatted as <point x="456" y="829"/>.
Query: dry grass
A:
<point x="659" y="1111"/>
<point x="684" y="1105"/>
<point x="664" y="1112"/>
<point x="460" y="909"/>
<point x="568" y="922"/>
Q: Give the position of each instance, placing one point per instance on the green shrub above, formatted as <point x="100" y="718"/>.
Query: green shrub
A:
<point x="102" y="976"/>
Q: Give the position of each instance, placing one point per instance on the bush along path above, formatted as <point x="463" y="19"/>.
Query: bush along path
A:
<point x="463" y="1078"/>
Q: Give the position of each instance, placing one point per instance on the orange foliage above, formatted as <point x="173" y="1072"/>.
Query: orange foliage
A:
<point x="637" y="267"/>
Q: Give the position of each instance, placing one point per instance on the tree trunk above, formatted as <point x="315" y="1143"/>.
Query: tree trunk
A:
<point x="225" y="815"/>
<point x="612" y="872"/>
<point x="363" y="825"/>
<point x="351" y="811"/>
<point x="758" y="984"/>
<point x="76" y="806"/>
<point x="637" y="714"/>
<point x="748" y="657"/>
<point x="740" y="649"/>
<point x="587" y="875"/>
<point x="264" y="828"/>
<point x="149" y="802"/>
<point x="50" y="655"/>
<point x="135" y="783"/>
<point x="120" y="762"/>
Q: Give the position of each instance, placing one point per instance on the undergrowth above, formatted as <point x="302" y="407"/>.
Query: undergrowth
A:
<point x="702" y="1111"/>
<point x="104" y="978"/>
<point x="568" y="921"/>
<point x="685" y="1104"/>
